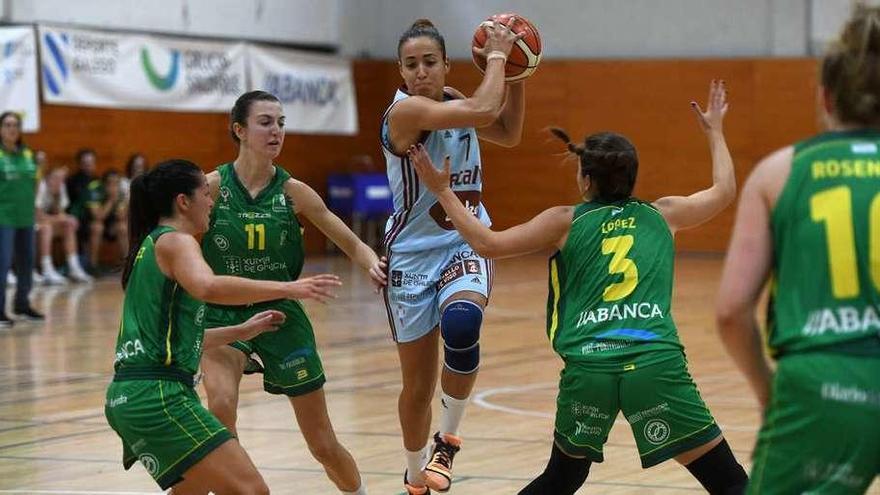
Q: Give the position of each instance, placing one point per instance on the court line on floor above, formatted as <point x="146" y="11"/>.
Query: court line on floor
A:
<point x="481" y="399"/>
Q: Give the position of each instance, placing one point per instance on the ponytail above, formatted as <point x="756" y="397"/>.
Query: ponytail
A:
<point x="142" y="219"/>
<point x="609" y="159"/>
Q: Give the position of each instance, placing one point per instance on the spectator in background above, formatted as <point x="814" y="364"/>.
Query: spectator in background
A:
<point x="17" y="189"/>
<point x="78" y="190"/>
<point x="53" y="221"/>
<point x="136" y="165"/>
<point x="107" y="214"/>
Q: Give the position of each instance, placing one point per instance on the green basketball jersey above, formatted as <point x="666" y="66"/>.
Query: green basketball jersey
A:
<point x="161" y="323"/>
<point x="826" y="235"/>
<point x="257" y="238"/>
<point x="611" y="287"/>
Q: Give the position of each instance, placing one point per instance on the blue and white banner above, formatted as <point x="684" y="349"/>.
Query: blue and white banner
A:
<point x="102" y="69"/>
<point x="317" y="91"/>
<point x="18" y="75"/>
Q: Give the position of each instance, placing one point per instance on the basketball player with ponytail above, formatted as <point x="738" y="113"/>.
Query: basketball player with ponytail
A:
<point x="151" y="403"/>
<point x="608" y="311"/>
<point x="809" y="221"/>
<point x="438" y="284"/>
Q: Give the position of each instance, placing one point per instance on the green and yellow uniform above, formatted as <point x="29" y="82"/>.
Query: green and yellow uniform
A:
<point x="608" y="317"/>
<point x="261" y="238"/>
<point x="18" y="187"/>
<point x="820" y="432"/>
<point x="151" y="403"/>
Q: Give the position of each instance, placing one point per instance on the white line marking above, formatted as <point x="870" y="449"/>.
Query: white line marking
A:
<point x="74" y="492"/>
<point x="482" y="399"/>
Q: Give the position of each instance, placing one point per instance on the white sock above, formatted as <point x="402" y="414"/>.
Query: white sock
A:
<point x="415" y="462"/>
<point x="73" y="263"/>
<point x="360" y="491"/>
<point x="46" y="264"/>
<point x="451" y="412"/>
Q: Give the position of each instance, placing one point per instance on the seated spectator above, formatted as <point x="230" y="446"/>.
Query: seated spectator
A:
<point x="136" y="165"/>
<point x="78" y="190"/>
<point x="52" y="222"/>
<point x="107" y="212"/>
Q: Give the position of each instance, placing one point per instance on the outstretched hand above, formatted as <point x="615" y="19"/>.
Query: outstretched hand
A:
<point x="318" y="287"/>
<point x="264" y="321"/>
<point x="435" y="180"/>
<point x="716" y="107"/>
<point x="379" y="274"/>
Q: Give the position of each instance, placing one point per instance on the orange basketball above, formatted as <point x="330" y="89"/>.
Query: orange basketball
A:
<point x="524" y="56"/>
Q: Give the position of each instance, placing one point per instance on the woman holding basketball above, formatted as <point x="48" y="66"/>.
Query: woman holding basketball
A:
<point x="608" y="310"/>
<point x="438" y="284"/>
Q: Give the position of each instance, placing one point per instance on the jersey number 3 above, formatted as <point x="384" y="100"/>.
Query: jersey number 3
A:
<point x="618" y="247"/>
<point x="834" y="207"/>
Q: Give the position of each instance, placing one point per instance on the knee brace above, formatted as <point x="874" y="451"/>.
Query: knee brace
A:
<point x="460" y="327"/>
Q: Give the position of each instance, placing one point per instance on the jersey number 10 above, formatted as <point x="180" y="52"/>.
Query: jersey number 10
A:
<point x="834" y="207"/>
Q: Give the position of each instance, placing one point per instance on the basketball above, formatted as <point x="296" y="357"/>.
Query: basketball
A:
<point x="524" y="56"/>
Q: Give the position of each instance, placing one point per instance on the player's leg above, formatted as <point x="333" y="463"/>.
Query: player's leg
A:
<point x="418" y="370"/>
<point x="585" y="411"/>
<point x="464" y="291"/>
<point x="222" y="369"/>
<point x="413" y="315"/>
<point x="670" y="420"/>
<point x="225" y="470"/>
<point x="314" y="422"/>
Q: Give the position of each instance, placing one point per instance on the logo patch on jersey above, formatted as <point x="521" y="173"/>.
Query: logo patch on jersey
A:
<point x="657" y="431"/>
<point x="279" y="203"/>
<point x="450" y="274"/>
<point x="447" y="134"/>
<point x="225" y="193"/>
<point x="471" y="201"/>
<point x="233" y="264"/>
<point x="151" y="464"/>
<point x="221" y="242"/>
<point x="864" y="148"/>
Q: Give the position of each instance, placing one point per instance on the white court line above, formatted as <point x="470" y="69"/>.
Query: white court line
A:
<point x="482" y="399"/>
<point x="75" y="492"/>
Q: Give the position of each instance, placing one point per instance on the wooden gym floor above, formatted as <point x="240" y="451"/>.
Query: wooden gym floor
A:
<point x="54" y="439"/>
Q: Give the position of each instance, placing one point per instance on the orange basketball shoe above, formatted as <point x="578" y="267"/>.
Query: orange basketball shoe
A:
<point x="438" y="472"/>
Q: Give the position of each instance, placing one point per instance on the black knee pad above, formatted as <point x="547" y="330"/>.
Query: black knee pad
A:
<point x="563" y="475"/>
<point x="460" y="327"/>
<point x="719" y="472"/>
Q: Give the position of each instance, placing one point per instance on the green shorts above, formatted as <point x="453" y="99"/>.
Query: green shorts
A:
<point x="289" y="354"/>
<point x="821" y="432"/>
<point x="660" y="401"/>
<point x="163" y="425"/>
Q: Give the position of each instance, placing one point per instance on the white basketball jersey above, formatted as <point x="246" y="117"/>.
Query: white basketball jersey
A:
<point x="419" y="222"/>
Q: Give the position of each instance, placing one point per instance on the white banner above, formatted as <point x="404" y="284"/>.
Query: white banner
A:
<point x="317" y="92"/>
<point x="101" y="69"/>
<point x="18" y="75"/>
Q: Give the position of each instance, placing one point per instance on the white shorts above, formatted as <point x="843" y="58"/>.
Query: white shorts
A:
<point x="419" y="282"/>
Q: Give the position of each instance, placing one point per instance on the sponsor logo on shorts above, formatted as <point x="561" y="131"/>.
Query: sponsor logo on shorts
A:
<point x="118" y="401"/>
<point x="579" y="409"/>
<point x="472" y="267"/>
<point x="850" y="394"/>
<point x="582" y="428"/>
<point x="221" y="242"/>
<point x="200" y="315"/>
<point x="657" y="431"/>
<point x="296" y="358"/>
<point x="400" y="278"/>
<point x="648" y="413"/>
<point x="463" y="255"/>
<point x="151" y="464"/>
<point x="843" y="474"/>
<point x="411" y="296"/>
<point x="138" y="446"/>
<point x="451" y="273"/>
<point x="302" y="374"/>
